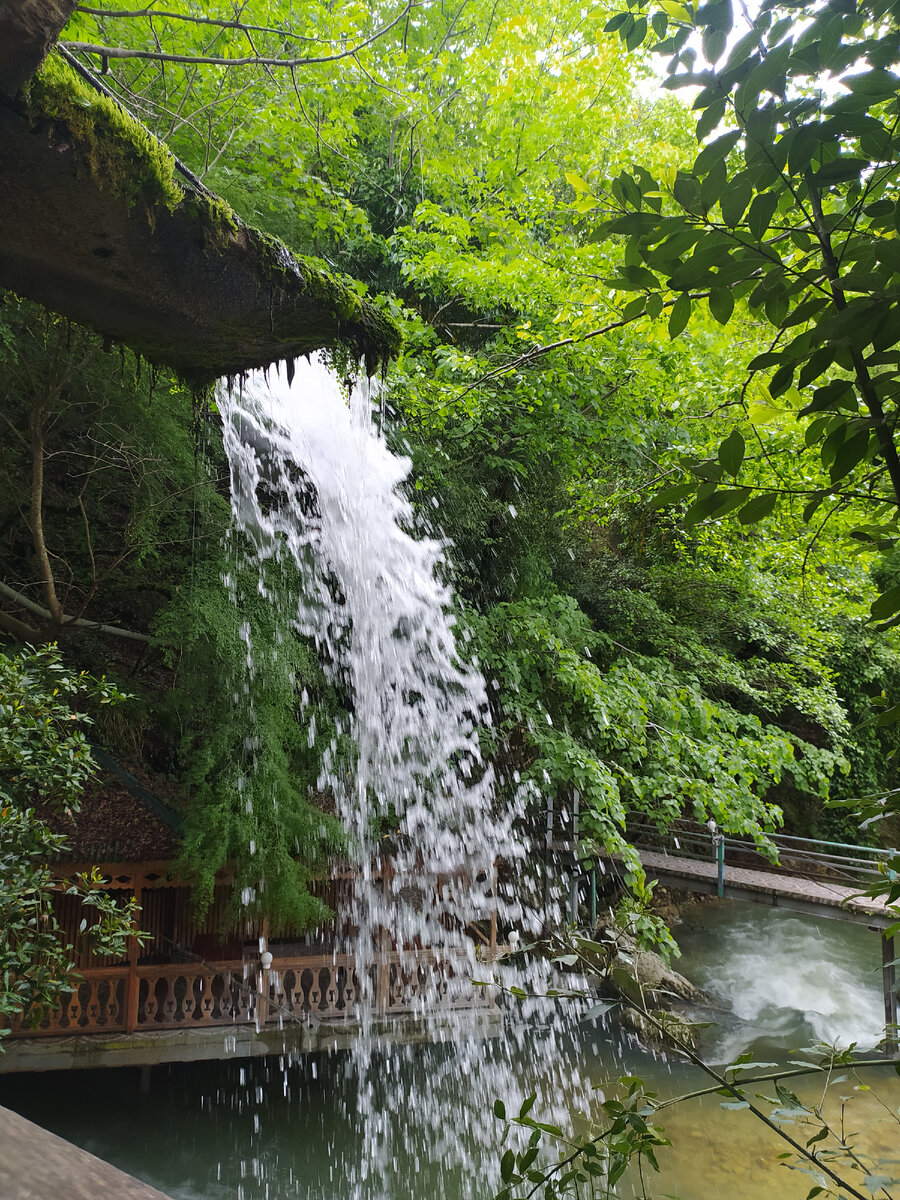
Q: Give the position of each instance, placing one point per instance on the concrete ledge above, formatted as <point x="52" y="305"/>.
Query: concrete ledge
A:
<point x="38" y="1165"/>
<point x="234" y="1041"/>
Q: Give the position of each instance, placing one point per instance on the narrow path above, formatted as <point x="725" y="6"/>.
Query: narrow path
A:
<point x="767" y="887"/>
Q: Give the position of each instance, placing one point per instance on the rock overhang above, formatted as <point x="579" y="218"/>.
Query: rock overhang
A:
<point x="97" y="224"/>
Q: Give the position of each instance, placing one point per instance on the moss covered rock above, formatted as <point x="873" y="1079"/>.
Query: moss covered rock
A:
<point x="97" y="224"/>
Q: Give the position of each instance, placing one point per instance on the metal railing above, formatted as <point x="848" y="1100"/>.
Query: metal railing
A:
<point x="814" y="858"/>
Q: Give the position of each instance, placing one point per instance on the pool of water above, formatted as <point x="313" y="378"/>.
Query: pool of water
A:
<point x="277" y="1129"/>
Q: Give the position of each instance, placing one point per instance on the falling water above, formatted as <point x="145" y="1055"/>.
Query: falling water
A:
<point x="313" y="481"/>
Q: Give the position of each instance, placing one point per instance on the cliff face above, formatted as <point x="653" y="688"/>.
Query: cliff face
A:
<point x="97" y="224"/>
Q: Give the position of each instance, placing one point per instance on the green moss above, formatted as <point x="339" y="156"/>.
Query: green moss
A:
<point x="122" y="157"/>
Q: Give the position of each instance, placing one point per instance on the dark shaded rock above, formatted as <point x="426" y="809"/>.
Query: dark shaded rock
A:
<point x="28" y="28"/>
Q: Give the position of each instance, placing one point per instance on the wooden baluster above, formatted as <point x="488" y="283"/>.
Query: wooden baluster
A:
<point x="331" y="993"/>
<point x="72" y="1008"/>
<point x="93" y="1006"/>
<point x="189" y="1003"/>
<point x="132" y="987"/>
<point x="244" y="1001"/>
<point x="170" y="1003"/>
<point x="204" y="997"/>
<point x="291" y="983"/>
<point x="112" y="1004"/>
<point x="315" y="992"/>
<point x="151" y="1005"/>
<point x="396" y="987"/>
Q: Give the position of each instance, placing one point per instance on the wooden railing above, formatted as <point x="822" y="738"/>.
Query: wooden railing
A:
<point x="201" y="995"/>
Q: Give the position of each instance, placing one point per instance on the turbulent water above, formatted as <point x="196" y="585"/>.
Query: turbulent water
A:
<point x="787" y="980"/>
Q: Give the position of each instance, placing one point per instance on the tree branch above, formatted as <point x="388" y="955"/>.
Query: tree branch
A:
<point x="64" y="621"/>
<point x="247" y="61"/>
<point x="173" y="16"/>
<point x="539" y="351"/>
<point x="55" y="613"/>
<point x="18" y="628"/>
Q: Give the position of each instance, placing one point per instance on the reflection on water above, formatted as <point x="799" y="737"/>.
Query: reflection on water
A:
<point x="275" y="1129"/>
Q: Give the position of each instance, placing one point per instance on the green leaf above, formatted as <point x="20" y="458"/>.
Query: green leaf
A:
<point x="634" y="309"/>
<point x="873" y="85"/>
<point x="758" y="508"/>
<point x="597" y="1010"/>
<point x="717" y="504"/>
<point x="716" y="151"/>
<point x="635" y="37"/>
<point x="671" y="495"/>
<point x="500" y="1110"/>
<point x="731" y="452"/>
<point x="734" y="200"/>
<point x="507" y="1166"/>
<point x="839" y="170"/>
<point x="680" y="315"/>
<point x="761" y="212"/>
<point x="886" y="605"/>
<point x="721" y="304"/>
<point x="710" y="118"/>
<point x="632" y="223"/>
<point x="850" y="453"/>
<point x="781" y="380"/>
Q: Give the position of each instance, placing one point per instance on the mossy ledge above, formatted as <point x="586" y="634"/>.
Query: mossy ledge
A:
<point x="96" y="224"/>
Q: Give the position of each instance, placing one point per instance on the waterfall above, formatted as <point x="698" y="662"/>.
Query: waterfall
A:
<point x="312" y="480"/>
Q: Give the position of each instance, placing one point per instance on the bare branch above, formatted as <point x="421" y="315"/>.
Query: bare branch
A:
<point x="539" y="351"/>
<point x="76" y="622"/>
<point x="248" y="61"/>
<point x="36" y="423"/>
<point x="173" y="16"/>
<point x="18" y="628"/>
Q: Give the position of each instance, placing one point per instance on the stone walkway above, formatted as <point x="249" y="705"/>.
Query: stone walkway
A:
<point x="37" y="1165"/>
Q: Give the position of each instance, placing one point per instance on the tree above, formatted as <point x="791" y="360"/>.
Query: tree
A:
<point x="44" y="755"/>
<point x="793" y="209"/>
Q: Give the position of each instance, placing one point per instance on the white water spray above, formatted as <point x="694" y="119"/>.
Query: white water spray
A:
<point x="312" y="481"/>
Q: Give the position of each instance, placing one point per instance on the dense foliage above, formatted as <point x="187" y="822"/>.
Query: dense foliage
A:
<point x="473" y="170"/>
<point x="44" y="755"/>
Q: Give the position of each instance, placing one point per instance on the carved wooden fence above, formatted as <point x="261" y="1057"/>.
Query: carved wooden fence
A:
<point x="200" y="995"/>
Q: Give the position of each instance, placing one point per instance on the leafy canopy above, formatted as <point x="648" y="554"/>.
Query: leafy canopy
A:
<point x="792" y="210"/>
